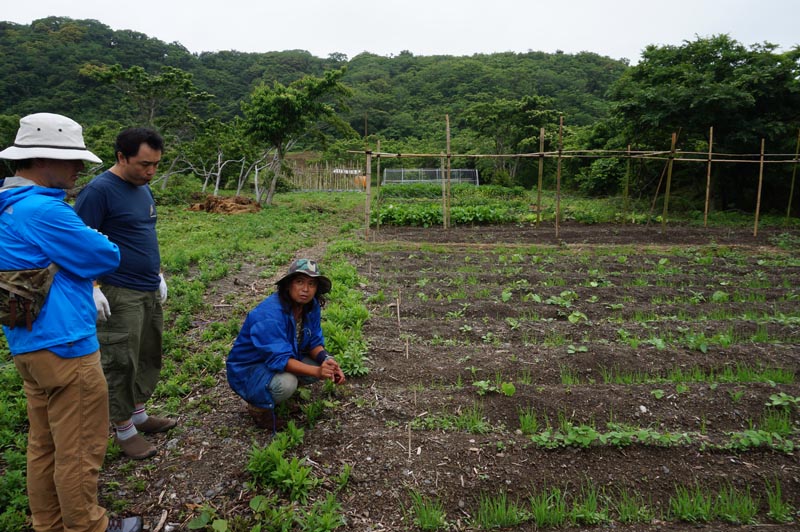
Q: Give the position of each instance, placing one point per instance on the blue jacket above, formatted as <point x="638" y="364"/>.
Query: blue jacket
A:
<point x="36" y="228"/>
<point x="265" y="343"/>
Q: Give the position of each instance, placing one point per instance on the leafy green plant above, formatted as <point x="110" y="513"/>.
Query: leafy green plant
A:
<point x="692" y="505"/>
<point x="783" y="400"/>
<point x="779" y="511"/>
<point x="735" y="506"/>
<point x="577" y="317"/>
<point x="631" y="508"/>
<point x="528" y="421"/>
<point x="751" y="439"/>
<point x="497" y="511"/>
<point x="549" y="508"/>
<point x="586" y="508"/>
<point x="776" y="421"/>
<point x="428" y="513"/>
<point x="294" y="479"/>
<point x="207" y="519"/>
<point x="323" y="516"/>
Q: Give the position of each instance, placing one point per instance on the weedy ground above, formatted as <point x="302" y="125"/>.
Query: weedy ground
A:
<point x="500" y="377"/>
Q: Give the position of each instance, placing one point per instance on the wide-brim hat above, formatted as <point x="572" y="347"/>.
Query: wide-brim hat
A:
<point x="49" y="136"/>
<point x="307" y="267"/>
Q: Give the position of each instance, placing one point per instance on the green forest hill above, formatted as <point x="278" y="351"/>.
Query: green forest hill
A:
<point x="496" y="103"/>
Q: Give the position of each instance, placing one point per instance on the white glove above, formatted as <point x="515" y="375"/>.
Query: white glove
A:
<point x="100" y="301"/>
<point x="162" y="288"/>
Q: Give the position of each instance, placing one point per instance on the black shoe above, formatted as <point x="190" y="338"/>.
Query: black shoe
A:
<point x="128" y="524"/>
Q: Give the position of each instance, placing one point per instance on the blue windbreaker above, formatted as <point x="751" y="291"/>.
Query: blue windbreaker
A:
<point x="265" y="343"/>
<point x="38" y="227"/>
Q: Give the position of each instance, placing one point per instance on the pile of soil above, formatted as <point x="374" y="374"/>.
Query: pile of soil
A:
<point x="226" y="205"/>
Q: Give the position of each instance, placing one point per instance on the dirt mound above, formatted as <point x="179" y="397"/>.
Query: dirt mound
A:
<point x="226" y="205"/>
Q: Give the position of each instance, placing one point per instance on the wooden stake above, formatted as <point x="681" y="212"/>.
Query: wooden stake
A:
<point x="406" y="348"/>
<point x="409" y="440"/>
<point x="398" y="311"/>
<point x="669" y="180"/>
<point x="541" y="171"/>
<point x="760" y="182"/>
<point x="708" y="174"/>
<point x="558" y="171"/>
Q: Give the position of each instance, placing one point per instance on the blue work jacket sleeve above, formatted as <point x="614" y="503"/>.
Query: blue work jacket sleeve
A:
<point x="274" y="342"/>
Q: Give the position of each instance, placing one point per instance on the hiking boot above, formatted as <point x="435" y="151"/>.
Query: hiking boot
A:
<point x="128" y="524"/>
<point x="136" y="447"/>
<point x="265" y="418"/>
<point x="156" y="424"/>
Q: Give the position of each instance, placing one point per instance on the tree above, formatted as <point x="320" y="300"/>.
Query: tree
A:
<point x="744" y="94"/>
<point x="280" y="115"/>
<point x="163" y="100"/>
<point x="513" y="127"/>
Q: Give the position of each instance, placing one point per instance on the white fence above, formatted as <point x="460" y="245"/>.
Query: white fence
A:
<point x="428" y="175"/>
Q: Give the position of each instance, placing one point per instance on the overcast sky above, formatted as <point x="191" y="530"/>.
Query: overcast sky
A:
<point x="615" y="28"/>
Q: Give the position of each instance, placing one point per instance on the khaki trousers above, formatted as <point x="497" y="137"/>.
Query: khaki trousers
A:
<point x="283" y="385"/>
<point x="68" y="414"/>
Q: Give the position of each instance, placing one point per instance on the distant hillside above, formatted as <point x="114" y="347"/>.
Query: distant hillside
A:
<point x="402" y="96"/>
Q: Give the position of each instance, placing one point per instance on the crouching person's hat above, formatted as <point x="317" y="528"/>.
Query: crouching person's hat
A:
<point x="310" y="268"/>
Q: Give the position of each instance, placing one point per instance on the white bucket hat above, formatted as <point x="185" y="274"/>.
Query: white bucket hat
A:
<point x="49" y="136"/>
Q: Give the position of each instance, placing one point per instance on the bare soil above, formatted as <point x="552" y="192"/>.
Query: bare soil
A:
<point x="451" y="308"/>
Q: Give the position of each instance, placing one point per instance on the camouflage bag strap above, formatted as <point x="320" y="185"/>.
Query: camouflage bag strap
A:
<point x="24" y="293"/>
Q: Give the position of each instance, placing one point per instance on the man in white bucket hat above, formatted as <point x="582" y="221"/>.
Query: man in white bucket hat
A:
<point x="56" y="352"/>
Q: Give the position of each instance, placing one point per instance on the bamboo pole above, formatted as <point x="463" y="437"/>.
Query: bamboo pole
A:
<point x="669" y="180"/>
<point x="558" y="171"/>
<point x="579" y="154"/>
<point x="449" y="172"/>
<point x="378" y="185"/>
<point x="378" y="162"/>
<point x="760" y="183"/>
<point x="367" y="201"/>
<point x="794" y="175"/>
<point x="446" y="181"/>
<point x="541" y="172"/>
<point x="626" y="189"/>
<point x="708" y="173"/>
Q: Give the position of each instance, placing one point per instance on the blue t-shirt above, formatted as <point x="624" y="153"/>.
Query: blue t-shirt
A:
<point x="126" y="214"/>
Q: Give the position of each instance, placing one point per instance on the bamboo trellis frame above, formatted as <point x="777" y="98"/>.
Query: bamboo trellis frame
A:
<point x="672" y="156"/>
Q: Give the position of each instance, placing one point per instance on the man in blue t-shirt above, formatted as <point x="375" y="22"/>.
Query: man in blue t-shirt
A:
<point x="120" y="204"/>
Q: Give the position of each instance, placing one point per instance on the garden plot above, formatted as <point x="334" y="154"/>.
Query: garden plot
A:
<point x="641" y="377"/>
<point x="624" y="382"/>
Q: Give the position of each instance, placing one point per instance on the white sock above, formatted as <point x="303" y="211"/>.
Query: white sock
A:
<point x="139" y="416"/>
<point x="125" y="432"/>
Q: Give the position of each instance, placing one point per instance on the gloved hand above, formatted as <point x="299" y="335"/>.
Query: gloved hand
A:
<point x="101" y="303"/>
<point x="162" y="288"/>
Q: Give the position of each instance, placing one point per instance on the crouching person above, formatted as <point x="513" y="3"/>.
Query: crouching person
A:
<point x="280" y="345"/>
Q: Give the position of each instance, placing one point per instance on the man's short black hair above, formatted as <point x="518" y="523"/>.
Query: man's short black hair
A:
<point x="21" y="164"/>
<point x="129" y="141"/>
